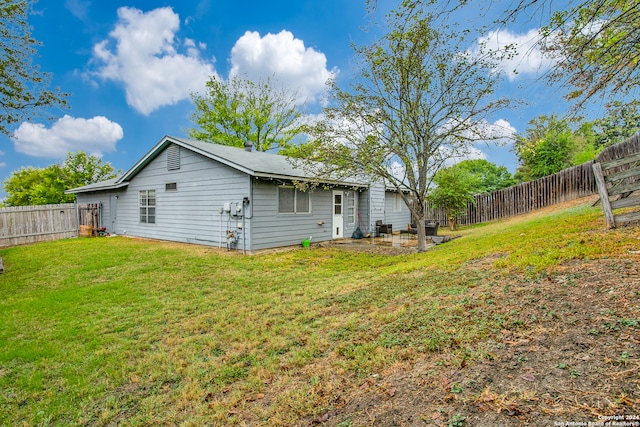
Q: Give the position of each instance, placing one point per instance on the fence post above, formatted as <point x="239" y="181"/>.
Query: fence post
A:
<point x="75" y="207"/>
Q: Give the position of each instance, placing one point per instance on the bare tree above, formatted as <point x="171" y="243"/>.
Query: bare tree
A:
<point x="594" y="43"/>
<point x="417" y="102"/>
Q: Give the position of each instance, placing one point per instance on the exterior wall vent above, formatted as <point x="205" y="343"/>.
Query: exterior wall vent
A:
<point x="173" y="157"/>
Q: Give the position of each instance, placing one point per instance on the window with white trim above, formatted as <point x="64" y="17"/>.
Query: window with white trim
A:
<point x="351" y="207"/>
<point x="397" y="203"/>
<point x="147" y="203"/>
<point x="293" y="201"/>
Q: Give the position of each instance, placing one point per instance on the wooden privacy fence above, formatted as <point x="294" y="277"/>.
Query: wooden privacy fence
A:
<point x="566" y="185"/>
<point x="22" y="225"/>
<point x="617" y="168"/>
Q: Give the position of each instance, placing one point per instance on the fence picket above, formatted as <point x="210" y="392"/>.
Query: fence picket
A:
<point x="21" y="225"/>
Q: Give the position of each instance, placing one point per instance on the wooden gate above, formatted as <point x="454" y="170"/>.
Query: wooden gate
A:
<point x="90" y="218"/>
<point x="617" y="181"/>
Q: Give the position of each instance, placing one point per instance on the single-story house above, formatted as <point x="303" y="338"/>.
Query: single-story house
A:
<point x="197" y="192"/>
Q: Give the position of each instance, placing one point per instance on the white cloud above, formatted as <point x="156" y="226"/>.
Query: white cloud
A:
<point x="524" y="56"/>
<point x="78" y="8"/>
<point x="146" y="59"/>
<point x="500" y="132"/>
<point x="300" y="68"/>
<point x="69" y="134"/>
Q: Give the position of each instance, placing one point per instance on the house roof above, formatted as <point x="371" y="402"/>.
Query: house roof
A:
<point x="109" y="184"/>
<point x="255" y="163"/>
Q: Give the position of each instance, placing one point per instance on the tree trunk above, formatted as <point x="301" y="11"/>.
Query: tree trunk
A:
<point x="453" y="223"/>
<point x="422" y="235"/>
<point x="418" y="214"/>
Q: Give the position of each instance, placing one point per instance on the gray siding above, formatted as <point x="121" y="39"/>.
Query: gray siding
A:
<point x="377" y="204"/>
<point x="271" y="229"/>
<point x="396" y="211"/>
<point x="190" y="213"/>
<point x="364" y="211"/>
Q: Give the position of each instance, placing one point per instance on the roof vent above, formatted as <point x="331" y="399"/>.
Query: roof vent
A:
<point x="173" y="157"/>
<point x="248" y="146"/>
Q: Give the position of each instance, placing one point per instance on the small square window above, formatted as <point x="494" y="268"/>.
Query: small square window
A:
<point x="171" y="186"/>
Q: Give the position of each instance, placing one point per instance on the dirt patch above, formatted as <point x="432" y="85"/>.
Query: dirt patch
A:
<point x="376" y="245"/>
<point x="396" y="244"/>
<point x="570" y="353"/>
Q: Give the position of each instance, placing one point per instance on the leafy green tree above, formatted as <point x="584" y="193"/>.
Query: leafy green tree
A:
<point x="585" y="144"/>
<point x="417" y="100"/>
<point x="621" y="122"/>
<point x="240" y="110"/>
<point x="546" y="148"/>
<point x="80" y="169"/>
<point x="41" y="186"/>
<point x="23" y="87"/>
<point x="455" y="188"/>
<point x="32" y="186"/>
<point x="489" y="176"/>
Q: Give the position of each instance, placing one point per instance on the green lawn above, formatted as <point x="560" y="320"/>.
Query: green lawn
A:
<point x="109" y="331"/>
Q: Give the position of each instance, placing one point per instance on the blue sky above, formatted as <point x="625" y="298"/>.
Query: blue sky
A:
<point x="130" y="67"/>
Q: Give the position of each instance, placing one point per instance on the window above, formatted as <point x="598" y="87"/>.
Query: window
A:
<point x="148" y="206"/>
<point x="171" y="186"/>
<point x="292" y="201"/>
<point x="397" y="203"/>
<point x="351" y="207"/>
<point x="337" y="203"/>
<point x="303" y="202"/>
<point x="286" y="200"/>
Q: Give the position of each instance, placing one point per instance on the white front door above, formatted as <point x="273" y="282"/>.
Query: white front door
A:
<point x="338" y="216"/>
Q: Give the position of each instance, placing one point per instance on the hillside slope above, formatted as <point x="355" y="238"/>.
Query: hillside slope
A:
<point x="568" y="351"/>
